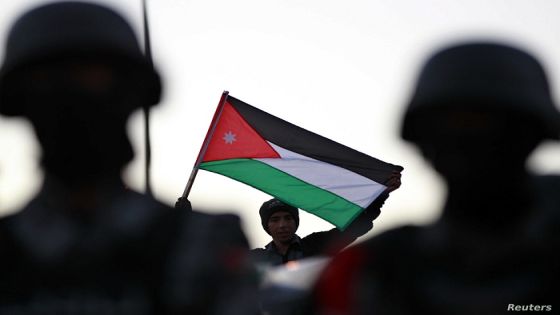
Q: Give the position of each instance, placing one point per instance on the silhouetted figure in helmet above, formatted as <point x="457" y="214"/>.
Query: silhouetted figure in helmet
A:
<point x="86" y="244"/>
<point x="478" y="111"/>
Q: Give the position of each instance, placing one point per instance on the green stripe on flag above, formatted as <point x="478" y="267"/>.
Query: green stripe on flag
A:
<point x="324" y="204"/>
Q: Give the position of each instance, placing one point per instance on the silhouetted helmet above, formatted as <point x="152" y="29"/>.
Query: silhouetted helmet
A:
<point x="488" y="75"/>
<point x="74" y="31"/>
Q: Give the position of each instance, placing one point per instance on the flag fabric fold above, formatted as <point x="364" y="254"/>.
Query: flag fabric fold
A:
<point x="299" y="167"/>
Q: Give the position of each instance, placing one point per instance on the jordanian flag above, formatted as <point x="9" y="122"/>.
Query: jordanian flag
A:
<point x="301" y="168"/>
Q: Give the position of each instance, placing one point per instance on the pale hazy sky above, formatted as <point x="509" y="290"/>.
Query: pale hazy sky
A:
<point x="342" y="69"/>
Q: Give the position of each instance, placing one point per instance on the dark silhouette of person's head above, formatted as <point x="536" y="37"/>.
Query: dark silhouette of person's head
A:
<point x="76" y="71"/>
<point x="478" y="111"/>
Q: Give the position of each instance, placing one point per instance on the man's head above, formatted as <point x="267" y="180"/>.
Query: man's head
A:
<point x="76" y="71"/>
<point x="279" y="219"/>
<point x="479" y="109"/>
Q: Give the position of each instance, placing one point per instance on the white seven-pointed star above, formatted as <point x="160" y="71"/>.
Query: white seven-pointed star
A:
<point x="229" y="137"/>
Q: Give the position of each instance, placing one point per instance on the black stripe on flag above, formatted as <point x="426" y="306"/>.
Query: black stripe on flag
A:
<point x="302" y="141"/>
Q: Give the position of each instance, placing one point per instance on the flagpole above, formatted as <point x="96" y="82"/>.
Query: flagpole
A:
<point x="205" y="144"/>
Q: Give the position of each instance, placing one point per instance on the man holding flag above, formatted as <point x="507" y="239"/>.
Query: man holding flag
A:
<point x="280" y="220"/>
<point x="301" y="170"/>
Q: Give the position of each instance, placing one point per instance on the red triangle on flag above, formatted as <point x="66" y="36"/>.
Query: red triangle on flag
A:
<point x="234" y="138"/>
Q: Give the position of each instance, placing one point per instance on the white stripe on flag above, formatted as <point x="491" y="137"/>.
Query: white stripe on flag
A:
<point x="335" y="179"/>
